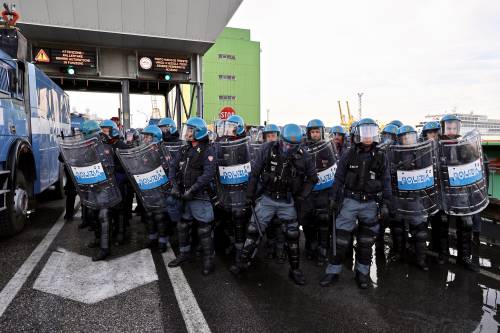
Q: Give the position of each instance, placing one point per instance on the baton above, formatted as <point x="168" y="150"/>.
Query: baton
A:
<point x="256" y="221"/>
<point x="334" y="235"/>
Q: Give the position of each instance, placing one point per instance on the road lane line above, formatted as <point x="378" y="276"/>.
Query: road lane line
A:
<point x="15" y="284"/>
<point x="191" y="312"/>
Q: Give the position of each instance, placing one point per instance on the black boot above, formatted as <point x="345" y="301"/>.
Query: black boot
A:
<point x="181" y="259"/>
<point x="363" y="280"/>
<point x="101" y="255"/>
<point x="162" y="247"/>
<point x="297" y="276"/>
<point x="328" y="279"/>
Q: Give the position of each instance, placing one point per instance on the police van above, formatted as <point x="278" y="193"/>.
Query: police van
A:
<point x="34" y="111"/>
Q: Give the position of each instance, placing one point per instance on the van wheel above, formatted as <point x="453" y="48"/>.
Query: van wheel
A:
<point x="13" y="219"/>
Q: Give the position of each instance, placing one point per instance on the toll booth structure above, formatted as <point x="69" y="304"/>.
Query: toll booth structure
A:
<point x="124" y="46"/>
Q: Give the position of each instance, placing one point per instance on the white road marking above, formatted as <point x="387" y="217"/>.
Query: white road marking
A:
<point x="15" y="284"/>
<point x="71" y="275"/>
<point x="191" y="312"/>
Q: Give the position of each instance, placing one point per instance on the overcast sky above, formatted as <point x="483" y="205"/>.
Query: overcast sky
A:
<point x="409" y="58"/>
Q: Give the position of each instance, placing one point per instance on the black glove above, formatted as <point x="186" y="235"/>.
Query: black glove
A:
<point x="384" y="211"/>
<point x="175" y="192"/>
<point x="188" y="195"/>
<point x="250" y="201"/>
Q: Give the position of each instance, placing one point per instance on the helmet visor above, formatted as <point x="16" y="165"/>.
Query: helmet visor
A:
<point x="431" y="134"/>
<point x="367" y="134"/>
<point x="165" y="128"/>
<point x="451" y="127"/>
<point x="147" y="138"/>
<point x="226" y="128"/>
<point x="187" y="133"/>
<point x="408" y="139"/>
<point x="130" y="136"/>
<point x="315" y="133"/>
<point x="289" y="148"/>
<point x="387" y="138"/>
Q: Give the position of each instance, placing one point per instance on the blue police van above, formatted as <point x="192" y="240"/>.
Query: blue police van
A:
<point x="34" y="111"/>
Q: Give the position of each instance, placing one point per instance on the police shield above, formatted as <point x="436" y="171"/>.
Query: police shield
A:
<point x="325" y="160"/>
<point x="256" y="140"/>
<point x="413" y="170"/>
<point x="146" y="167"/>
<point x="462" y="174"/>
<point x="233" y="171"/>
<point x="171" y="148"/>
<point x="91" y="165"/>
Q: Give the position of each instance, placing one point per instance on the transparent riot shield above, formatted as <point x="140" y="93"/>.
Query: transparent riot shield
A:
<point x="325" y="161"/>
<point x="91" y="163"/>
<point x="146" y="166"/>
<point x="463" y="181"/>
<point x="171" y="148"/>
<point x="256" y="141"/>
<point x="233" y="171"/>
<point x="414" y="182"/>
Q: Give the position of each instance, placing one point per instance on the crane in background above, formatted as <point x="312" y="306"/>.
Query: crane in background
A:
<point x="350" y="119"/>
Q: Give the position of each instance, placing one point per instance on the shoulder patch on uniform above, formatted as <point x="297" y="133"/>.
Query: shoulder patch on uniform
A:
<point x="198" y="149"/>
<point x="210" y="158"/>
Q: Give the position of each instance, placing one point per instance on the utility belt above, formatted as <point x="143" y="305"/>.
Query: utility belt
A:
<point x="362" y="196"/>
<point x="282" y="196"/>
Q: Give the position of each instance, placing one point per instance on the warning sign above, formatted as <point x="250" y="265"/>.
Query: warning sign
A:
<point x="42" y="56"/>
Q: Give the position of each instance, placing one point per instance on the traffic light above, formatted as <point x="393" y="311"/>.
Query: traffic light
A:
<point x="70" y="70"/>
<point x="166" y="76"/>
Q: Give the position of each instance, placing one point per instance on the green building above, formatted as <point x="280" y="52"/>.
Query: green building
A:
<point x="231" y="76"/>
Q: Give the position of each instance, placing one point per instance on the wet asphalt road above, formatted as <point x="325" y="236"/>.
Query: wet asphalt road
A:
<point x="446" y="299"/>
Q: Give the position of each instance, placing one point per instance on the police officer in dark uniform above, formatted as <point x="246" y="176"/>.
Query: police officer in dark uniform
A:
<point x="314" y="213"/>
<point x="275" y="238"/>
<point x="287" y="174"/>
<point x="388" y="137"/>
<point x="450" y="130"/>
<point x="191" y="171"/>
<point x="338" y="138"/>
<point x="363" y="173"/>
<point x="114" y="138"/>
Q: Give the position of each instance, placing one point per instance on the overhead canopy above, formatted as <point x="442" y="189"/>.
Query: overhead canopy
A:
<point x="173" y="25"/>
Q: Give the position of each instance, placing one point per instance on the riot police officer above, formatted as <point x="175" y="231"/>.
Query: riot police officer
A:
<point x="388" y="136"/>
<point x="232" y="152"/>
<point x="461" y="198"/>
<point x="352" y="131"/>
<point x="90" y="129"/>
<point x="287" y="174"/>
<point x="275" y="238"/>
<point x="169" y="129"/>
<point x="338" y="137"/>
<point x="314" y="213"/>
<point x="430" y="130"/>
<point x="363" y="173"/>
<point x="159" y="227"/>
<point x="417" y="219"/>
<point x="191" y="172"/>
<point x="113" y="137"/>
<point x="132" y="137"/>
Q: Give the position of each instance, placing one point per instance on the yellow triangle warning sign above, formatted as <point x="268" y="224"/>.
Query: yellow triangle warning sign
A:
<point x="42" y="56"/>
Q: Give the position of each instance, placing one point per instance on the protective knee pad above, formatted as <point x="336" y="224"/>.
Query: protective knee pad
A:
<point x="183" y="232"/>
<point x="342" y="243"/>
<point x="292" y="230"/>
<point x="205" y="235"/>
<point x="365" y="240"/>
<point x="253" y="231"/>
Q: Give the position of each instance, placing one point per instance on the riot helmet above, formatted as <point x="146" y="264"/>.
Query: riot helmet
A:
<point x="315" y="130"/>
<point x="110" y="128"/>
<point x="430" y="131"/>
<point x="271" y="133"/>
<point x="407" y="135"/>
<point x="450" y="126"/>
<point x="90" y="128"/>
<point x="167" y="125"/>
<point x="397" y="123"/>
<point x="367" y="132"/>
<point x="195" y="129"/>
<point x="151" y="134"/>
<point x="233" y="126"/>
<point x="291" y="138"/>
<point x="389" y="134"/>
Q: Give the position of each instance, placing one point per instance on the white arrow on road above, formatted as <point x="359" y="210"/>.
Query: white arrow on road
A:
<point x="76" y="277"/>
